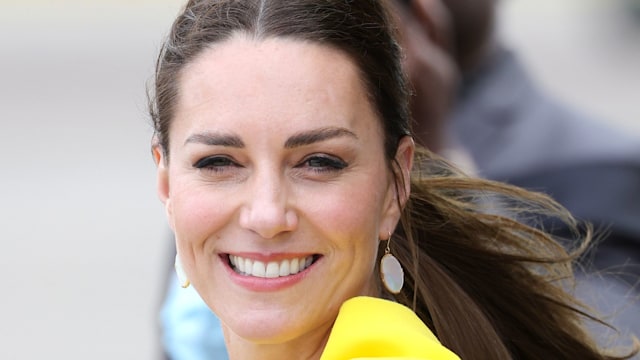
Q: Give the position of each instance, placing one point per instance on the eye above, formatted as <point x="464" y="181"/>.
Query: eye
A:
<point x="215" y="163"/>
<point x="322" y="163"/>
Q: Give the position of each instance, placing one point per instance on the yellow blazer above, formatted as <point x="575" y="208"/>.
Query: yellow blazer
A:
<point x="371" y="328"/>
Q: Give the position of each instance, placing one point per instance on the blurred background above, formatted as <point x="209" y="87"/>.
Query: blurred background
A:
<point x="84" y="243"/>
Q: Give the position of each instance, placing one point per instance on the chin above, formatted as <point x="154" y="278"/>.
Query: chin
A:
<point x="272" y="326"/>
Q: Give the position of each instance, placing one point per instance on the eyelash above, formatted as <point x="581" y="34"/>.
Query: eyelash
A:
<point x="214" y="163"/>
<point x="316" y="163"/>
<point x="323" y="163"/>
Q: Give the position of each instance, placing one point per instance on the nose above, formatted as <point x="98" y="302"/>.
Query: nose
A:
<point x="266" y="211"/>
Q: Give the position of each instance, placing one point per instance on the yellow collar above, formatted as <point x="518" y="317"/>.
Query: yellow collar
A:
<point x="371" y="328"/>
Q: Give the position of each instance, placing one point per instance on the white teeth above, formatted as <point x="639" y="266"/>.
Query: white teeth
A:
<point x="284" y="268"/>
<point x="239" y="264"/>
<point x="272" y="269"/>
<point x="295" y="267"/>
<point x="258" y="269"/>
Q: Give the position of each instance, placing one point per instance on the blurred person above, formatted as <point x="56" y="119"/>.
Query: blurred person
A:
<point x="634" y="6"/>
<point x="515" y="133"/>
<point x="190" y="331"/>
<point x="282" y="137"/>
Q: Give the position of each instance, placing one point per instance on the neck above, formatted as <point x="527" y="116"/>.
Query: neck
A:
<point x="308" y="347"/>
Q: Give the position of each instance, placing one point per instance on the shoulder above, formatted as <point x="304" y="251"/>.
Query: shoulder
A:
<point x="374" y="328"/>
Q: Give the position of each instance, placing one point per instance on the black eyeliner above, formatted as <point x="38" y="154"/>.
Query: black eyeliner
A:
<point x="329" y="162"/>
<point x="212" y="161"/>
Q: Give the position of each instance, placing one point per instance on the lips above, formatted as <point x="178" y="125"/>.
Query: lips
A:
<point x="271" y="269"/>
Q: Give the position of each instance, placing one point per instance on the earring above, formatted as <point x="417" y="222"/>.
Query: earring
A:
<point x="391" y="271"/>
<point x="182" y="276"/>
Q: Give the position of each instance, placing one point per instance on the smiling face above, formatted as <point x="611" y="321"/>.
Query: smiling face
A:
<point x="277" y="187"/>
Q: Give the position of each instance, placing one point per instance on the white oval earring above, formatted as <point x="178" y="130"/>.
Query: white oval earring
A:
<point x="391" y="270"/>
<point x="182" y="276"/>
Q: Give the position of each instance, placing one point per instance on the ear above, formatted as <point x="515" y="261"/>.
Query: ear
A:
<point x="404" y="162"/>
<point x="400" y="187"/>
<point x="162" y="179"/>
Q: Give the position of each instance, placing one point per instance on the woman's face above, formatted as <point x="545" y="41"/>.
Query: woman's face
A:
<point x="277" y="187"/>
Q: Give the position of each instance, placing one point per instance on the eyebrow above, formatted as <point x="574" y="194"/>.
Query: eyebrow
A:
<point x="297" y="140"/>
<point x="215" y="139"/>
<point x="317" y="135"/>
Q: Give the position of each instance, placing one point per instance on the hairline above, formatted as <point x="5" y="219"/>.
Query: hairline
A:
<point x="258" y="37"/>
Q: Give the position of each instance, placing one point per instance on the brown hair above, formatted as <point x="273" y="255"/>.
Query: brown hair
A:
<point x="469" y="251"/>
<point x="359" y="28"/>
<point x="489" y="286"/>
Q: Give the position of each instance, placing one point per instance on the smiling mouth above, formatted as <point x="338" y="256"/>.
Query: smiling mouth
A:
<point x="271" y="269"/>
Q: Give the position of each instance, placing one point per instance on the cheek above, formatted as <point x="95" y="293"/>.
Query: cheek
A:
<point x="355" y="224"/>
<point x="353" y="211"/>
<point x="197" y="214"/>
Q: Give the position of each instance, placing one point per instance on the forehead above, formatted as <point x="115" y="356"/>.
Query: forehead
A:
<point x="271" y="80"/>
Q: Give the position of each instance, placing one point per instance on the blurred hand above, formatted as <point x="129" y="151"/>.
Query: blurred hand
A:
<point x="426" y="35"/>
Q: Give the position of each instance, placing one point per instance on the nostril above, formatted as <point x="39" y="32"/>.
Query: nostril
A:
<point x="268" y="220"/>
<point x="265" y="209"/>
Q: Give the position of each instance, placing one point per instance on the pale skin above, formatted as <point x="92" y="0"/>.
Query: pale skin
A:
<point x="276" y="153"/>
